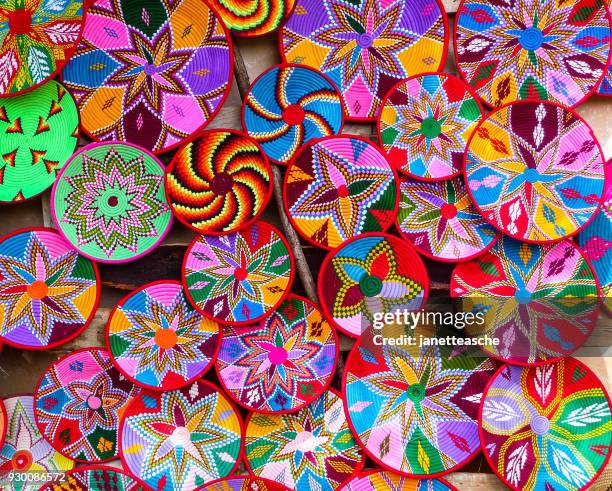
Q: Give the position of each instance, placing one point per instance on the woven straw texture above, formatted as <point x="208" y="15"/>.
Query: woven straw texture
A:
<point x="310" y="449"/>
<point x="288" y="106"/>
<point x="36" y="39"/>
<point x="109" y="202"/>
<point x="97" y="478"/>
<point x="425" y="123"/>
<point x="25" y="449"/>
<point x="393" y="400"/>
<point x="146" y="72"/>
<point x="78" y="404"/>
<point x="441" y="221"/>
<point x="555" y="51"/>
<point x="158" y="340"/>
<point x="3" y="423"/>
<point x="604" y="481"/>
<point x="605" y="88"/>
<point x="366" y="46"/>
<point x="387" y="481"/>
<point x="219" y="182"/>
<point x="535" y="171"/>
<point x="38" y="133"/>
<point x="240" y="277"/>
<point x="252" y="17"/>
<point x="375" y="273"/>
<point x="182" y="439"/>
<point x="540" y="301"/>
<point x="241" y="483"/>
<point x="48" y="293"/>
<point x="338" y="188"/>
<point x="283" y="362"/>
<point x="546" y="427"/>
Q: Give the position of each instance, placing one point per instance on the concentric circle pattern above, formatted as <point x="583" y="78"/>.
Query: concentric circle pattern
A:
<point x="181" y="439"/>
<point x="368" y="275"/>
<point x="25" y="449"/>
<point x="158" y="340"/>
<point x="425" y="123"/>
<point x="36" y="39"/>
<point x="48" y="293"/>
<point x="78" y="403"/>
<point x="338" y="188"/>
<point x="366" y="46"/>
<point x="290" y="105"/>
<point x="38" y="133"/>
<point x="252" y="17"/>
<point x="219" y="182"/>
<point x="532" y="50"/>
<point x="387" y="481"/>
<point x="441" y="221"/>
<point x="283" y="362"/>
<point x="96" y="478"/>
<point x="545" y="427"/>
<point x="109" y="202"/>
<point x="243" y="483"/>
<point x="535" y="171"/>
<point x="540" y="301"/>
<point x="240" y="277"/>
<point x="150" y="72"/>
<point x="416" y="413"/>
<point x="310" y="449"/>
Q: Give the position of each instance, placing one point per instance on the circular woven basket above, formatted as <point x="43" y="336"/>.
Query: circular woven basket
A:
<point x="289" y="105"/>
<point x="97" y="478"/>
<point x="425" y="123"/>
<point x="604" y="481"/>
<point x="158" y="340"/>
<point x="367" y="275"/>
<point x="339" y="187"/>
<point x="540" y="301"/>
<point x="386" y="481"/>
<point x="596" y="242"/>
<point x="3" y="423"/>
<point x="25" y="450"/>
<point x="150" y="73"/>
<point x="109" y="202"/>
<point x="78" y="403"/>
<point x="393" y="401"/>
<point x="310" y="449"/>
<point x="241" y="277"/>
<point x="518" y="50"/>
<point x="243" y="483"/>
<point x="36" y="40"/>
<point x="547" y="426"/>
<point x="181" y="439"/>
<point x="439" y="219"/>
<point x="366" y="47"/>
<point x="219" y="182"/>
<point x="283" y="362"/>
<point x="253" y="17"/>
<point x="535" y="171"/>
<point x="48" y="293"/>
<point x="39" y="132"/>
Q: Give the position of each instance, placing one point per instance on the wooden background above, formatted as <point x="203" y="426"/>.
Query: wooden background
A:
<point x="20" y="370"/>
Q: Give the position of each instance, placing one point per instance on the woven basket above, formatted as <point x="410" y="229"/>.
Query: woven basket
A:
<point x="39" y="133"/>
<point x="239" y="278"/>
<point x="243" y="483"/>
<point x="124" y="186"/>
<point x="535" y="171"/>
<point x="371" y="274"/>
<point x="198" y="429"/>
<point x="253" y="17"/>
<point x="540" y="301"/>
<point x="289" y="105"/>
<point x="98" y="478"/>
<point x="310" y="449"/>
<point x="158" y="340"/>
<point x="532" y="50"/>
<point x="382" y="480"/>
<point x="150" y="73"/>
<point x="51" y="293"/>
<point x="339" y="187"/>
<point x="548" y="426"/>
<point x="366" y="47"/>
<point x="219" y="183"/>
<point x="3" y="423"/>
<point x="25" y="449"/>
<point x="283" y="362"/>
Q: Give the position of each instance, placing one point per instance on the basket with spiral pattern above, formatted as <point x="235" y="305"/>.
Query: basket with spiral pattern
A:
<point x="387" y="481"/>
<point x="252" y="17"/>
<point x="243" y="483"/>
